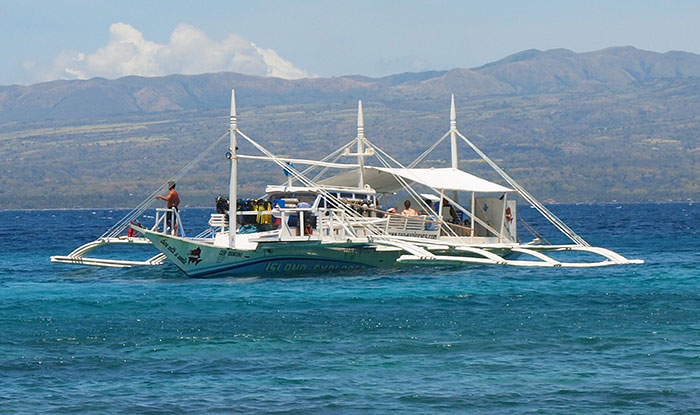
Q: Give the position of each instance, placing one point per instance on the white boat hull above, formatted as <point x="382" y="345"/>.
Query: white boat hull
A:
<point x="203" y="259"/>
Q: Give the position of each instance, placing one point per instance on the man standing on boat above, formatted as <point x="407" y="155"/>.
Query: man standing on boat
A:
<point x="173" y="200"/>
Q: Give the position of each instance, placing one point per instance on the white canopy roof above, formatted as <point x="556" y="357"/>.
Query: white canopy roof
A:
<point x="384" y="180"/>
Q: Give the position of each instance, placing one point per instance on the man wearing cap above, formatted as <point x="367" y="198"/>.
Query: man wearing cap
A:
<point x="173" y="200"/>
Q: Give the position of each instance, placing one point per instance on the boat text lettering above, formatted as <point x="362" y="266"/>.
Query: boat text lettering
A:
<point x="292" y="267"/>
<point x="172" y="250"/>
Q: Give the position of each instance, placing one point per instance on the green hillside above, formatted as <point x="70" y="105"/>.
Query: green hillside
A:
<point x="594" y="137"/>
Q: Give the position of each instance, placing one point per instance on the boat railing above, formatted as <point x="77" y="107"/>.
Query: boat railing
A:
<point x="332" y="224"/>
<point x="454" y="229"/>
<point x="414" y="226"/>
<point x="337" y="224"/>
<point x="218" y="222"/>
<point x="422" y="226"/>
<point x="162" y="223"/>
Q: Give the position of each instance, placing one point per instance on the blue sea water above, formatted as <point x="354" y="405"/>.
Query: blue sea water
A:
<point x="472" y="340"/>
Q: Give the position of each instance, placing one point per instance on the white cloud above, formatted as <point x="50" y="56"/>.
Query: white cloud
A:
<point x="188" y="51"/>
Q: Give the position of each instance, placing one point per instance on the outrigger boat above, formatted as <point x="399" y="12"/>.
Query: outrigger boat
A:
<point x="322" y="224"/>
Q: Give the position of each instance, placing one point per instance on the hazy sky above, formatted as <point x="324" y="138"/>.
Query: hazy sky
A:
<point x="45" y="40"/>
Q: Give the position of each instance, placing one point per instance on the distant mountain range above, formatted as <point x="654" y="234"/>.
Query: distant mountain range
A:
<point x="528" y="72"/>
<point x="616" y="124"/>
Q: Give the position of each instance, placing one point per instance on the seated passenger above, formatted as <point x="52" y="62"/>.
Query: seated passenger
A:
<point x="449" y="213"/>
<point x="408" y="210"/>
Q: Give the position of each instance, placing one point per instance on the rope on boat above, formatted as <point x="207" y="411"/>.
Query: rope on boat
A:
<point x="558" y="223"/>
<point x="428" y="151"/>
<point x="303" y="179"/>
<point x="412" y="191"/>
<point x="533" y="231"/>
<point x="336" y="155"/>
<point x="135" y="213"/>
<point x="563" y="227"/>
<point x="400" y="179"/>
<point x="416" y="196"/>
<point x="373" y="229"/>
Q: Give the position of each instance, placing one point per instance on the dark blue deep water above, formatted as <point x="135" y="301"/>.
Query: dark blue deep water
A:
<point x="472" y="340"/>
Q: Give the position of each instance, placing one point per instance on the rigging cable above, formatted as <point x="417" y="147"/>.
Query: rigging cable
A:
<point x="124" y="222"/>
<point x="528" y="197"/>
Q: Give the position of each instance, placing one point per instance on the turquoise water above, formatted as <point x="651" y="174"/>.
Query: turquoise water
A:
<point x="481" y="339"/>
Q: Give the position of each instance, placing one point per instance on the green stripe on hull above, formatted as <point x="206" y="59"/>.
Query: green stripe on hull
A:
<point x="201" y="259"/>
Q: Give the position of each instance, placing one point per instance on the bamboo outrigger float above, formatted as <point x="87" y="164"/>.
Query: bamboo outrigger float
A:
<point x="325" y="223"/>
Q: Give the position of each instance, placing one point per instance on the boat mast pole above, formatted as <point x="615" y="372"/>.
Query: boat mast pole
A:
<point x="453" y="134"/>
<point x="233" y="181"/>
<point x="360" y="146"/>
<point x="453" y="140"/>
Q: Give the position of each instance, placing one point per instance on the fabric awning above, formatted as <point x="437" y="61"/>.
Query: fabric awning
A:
<point x="384" y="180"/>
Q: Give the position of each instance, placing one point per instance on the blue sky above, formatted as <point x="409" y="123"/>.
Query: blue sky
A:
<point x="44" y="40"/>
